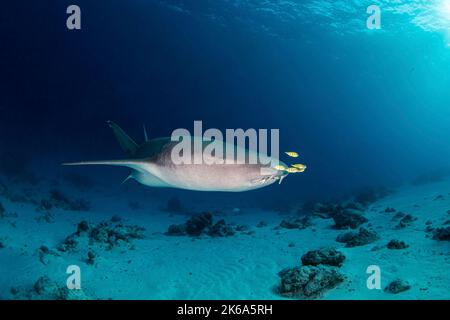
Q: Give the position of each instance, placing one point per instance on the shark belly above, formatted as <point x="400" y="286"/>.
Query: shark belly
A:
<point x="149" y="179"/>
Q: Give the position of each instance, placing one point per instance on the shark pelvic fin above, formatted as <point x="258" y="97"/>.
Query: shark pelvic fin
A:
<point x="130" y="176"/>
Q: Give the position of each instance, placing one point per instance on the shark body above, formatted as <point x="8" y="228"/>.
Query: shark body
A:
<point x="151" y="164"/>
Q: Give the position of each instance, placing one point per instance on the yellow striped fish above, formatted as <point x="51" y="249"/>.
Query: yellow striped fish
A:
<point x="280" y="167"/>
<point x="292" y="154"/>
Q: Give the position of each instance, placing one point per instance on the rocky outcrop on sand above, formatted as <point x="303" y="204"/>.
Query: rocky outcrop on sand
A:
<point x="319" y="273"/>
<point x="45" y="254"/>
<point x="58" y="200"/>
<point x="442" y="234"/>
<point x="308" y="282"/>
<point x="395" y="244"/>
<point x="296" y="223"/>
<point x="323" y="210"/>
<point x="2" y="211"/>
<point x="261" y="224"/>
<point x="354" y="239"/>
<point x="349" y="218"/>
<point x="221" y="229"/>
<point x="106" y="234"/>
<point x="202" y="224"/>
<point x="45" y="217"/>
<point x="5" y="214"/>
<point x="325" y="256"/>
<point x="2" y="242"/>
<point x="46" y="289"/>
<point x="23" y="195"/>
<point x="405" y="221"/>
<point x="397" y="286"/>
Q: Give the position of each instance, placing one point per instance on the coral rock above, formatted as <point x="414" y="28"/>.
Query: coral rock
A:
<point x="396" y="245"/>
<point x="349" y="219"/>
<point x="355" y="239"/>
<point x="397" y="286"/>
<point x="327" y="256"/>
<point x="309" y="281"/>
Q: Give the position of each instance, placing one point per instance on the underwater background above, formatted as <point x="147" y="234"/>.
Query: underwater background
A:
<point x="367" y="110"/>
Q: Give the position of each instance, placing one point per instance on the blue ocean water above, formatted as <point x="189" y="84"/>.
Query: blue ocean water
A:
<point x="363" y="108"/>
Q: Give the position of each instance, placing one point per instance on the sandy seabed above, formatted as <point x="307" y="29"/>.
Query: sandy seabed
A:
<point x="242" y="266"/>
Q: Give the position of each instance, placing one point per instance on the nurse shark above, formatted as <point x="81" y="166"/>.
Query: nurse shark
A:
<point x="151" y="164"/>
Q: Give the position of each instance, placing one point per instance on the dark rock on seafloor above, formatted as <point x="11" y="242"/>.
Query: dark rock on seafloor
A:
<point x="2" y="211"/>
<point x="356" y="239"/>
<point x="83" y="226"/>
<point x="397" y="286"/>
<point x="45" y="217"/>
<point x="46" y="289"/>
<point x="91" y="257"/>
<point x="198" y="223"/>
<point x="323" y="210"/>
<point x="69" y="244"/>
<point x="405" y="221"/>
<point x="349" y="219"/>
<point x="111" y="235"/>
<point x="176" y="230"/>
<point x="4" y="214"/>
<point x="221" y="229"/>
<point x="58" y="200"/>
<point x="194" y="226"/>
<point x="45" y="253"/>
<point x="442" y="234"/>
<point x="106" y="233"/>
<point x="202" y="224"/>
<point x="296" y="223"/>
<point x="326" y="256"/>
<point x="261" y="224"/>
<point x="389" y="210"/>
<point x="116" y="218"/>
<point x="308" y="281"/>
<point x="354" y="205"/>
<point x="398" y="216"/>
<point x="395" y="244"/>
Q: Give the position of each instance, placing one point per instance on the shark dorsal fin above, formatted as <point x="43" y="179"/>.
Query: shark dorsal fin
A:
<point x="126" y="143"/>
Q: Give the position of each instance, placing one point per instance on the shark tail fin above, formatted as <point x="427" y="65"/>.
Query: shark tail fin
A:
<point x="126" y="143"/>
<point x="132" y="163"/>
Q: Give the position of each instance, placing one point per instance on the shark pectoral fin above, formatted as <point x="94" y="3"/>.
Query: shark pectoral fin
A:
<point x="133" y="164"/>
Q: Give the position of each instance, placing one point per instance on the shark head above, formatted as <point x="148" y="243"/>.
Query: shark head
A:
<point x="267" y="176"/>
